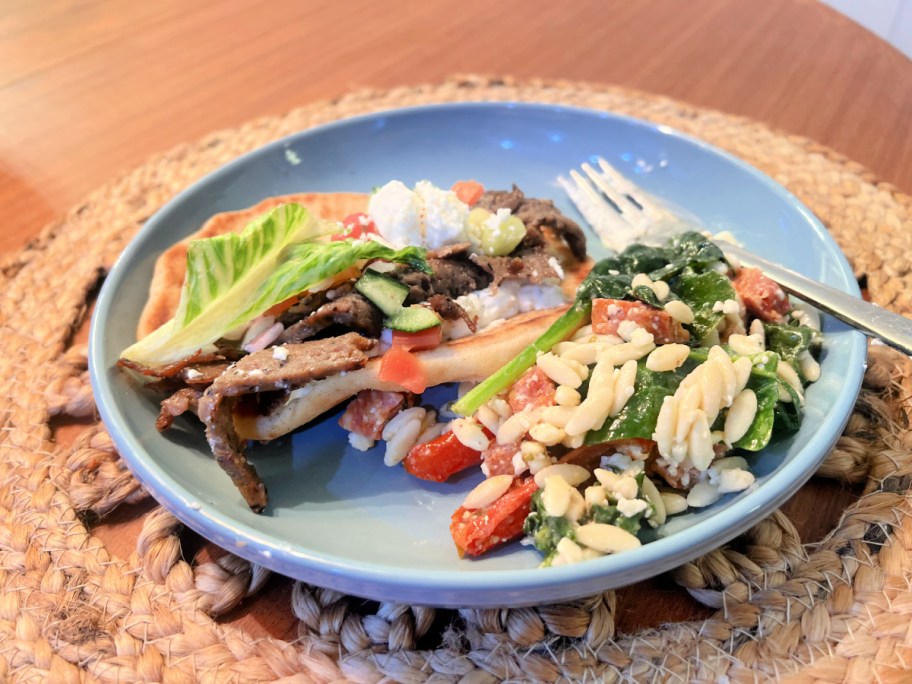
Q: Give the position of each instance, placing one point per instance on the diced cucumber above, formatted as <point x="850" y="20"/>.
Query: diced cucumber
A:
<point x="387" y="294"/>
<point x="413" y="318"/>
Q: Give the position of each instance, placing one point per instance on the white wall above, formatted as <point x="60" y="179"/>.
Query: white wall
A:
<point x="889" y="19"/>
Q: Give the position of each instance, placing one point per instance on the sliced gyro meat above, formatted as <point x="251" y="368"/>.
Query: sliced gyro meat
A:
<point x="531" y="267"/>
<point x="452" y="278"/>
<point x="267" y="371"/>
<point x="449" y="310"/>
<point x="352" y="311"/>
<point x="182" y="401"/>
<point x="172" y="370"/>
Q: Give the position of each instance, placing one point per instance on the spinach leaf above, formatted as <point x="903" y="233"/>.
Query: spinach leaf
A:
<point x="646" y="295"/>
<point x="790" y="341"/>
<point x="638" y="417"/>
<point x="545" y="530"/>
<point x="688" y="250"/>
<point x="610" y="515"/>
<point x="701" y="291"/>
<point x="788" y="413"/>
<point x="598" y="285"/>
<point x="761" y="430"/>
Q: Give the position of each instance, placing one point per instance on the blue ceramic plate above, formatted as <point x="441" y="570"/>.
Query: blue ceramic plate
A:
<point x="337" y="517"/>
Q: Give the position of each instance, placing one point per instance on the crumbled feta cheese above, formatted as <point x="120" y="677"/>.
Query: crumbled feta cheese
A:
<point x="396" y="213"/>
<point x="280" y="353"/>
<point x="520" y="465"/>
<point x="360" y="442"/>
<point x="504" y="301"/>
<point x="292" y="157"/>
<point x="192" y="374"/>
<point x="626" y="329"/>
<point x="426" y="216"/>
<point x="631" y="507"/>
<point x="617" y="460"/>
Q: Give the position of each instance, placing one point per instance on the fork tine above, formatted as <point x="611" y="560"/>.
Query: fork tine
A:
<point x="629" y="210"/>
<point x="613" y="229"/>
<point x="616" y="209"/>
<point x="621" y="184"/>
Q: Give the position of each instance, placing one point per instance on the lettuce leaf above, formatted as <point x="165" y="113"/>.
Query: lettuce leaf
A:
<point x="233" y="278"/>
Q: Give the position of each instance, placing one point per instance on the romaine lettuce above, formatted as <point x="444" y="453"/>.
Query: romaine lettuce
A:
<point x="233" y="278"/>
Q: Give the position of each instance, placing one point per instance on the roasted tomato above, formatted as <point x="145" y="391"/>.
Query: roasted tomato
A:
<point x="440" y="458"/>
<point x="477" y="531"/>
<point x="499" y="458"/>
<point x="370" y="411"/>
<point x="761" y="296"/>
<point x="608" y="314"/>
<point x="534" y="389"/>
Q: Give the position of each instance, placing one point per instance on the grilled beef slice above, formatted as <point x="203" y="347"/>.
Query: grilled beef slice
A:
<point x="262" y="372"/>
<point x="352" y="311"/>
<point x="183" y="400"/>
<point x="449" y="310"/>
<point x="453" y="276"/>
<point x="530" y="267"/>
<point x="536" y="214"/>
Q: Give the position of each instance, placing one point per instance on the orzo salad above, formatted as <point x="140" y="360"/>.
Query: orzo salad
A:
<point x="645" y="399"/>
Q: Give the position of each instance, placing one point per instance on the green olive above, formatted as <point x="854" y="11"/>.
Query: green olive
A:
<point x="497" y="240"/>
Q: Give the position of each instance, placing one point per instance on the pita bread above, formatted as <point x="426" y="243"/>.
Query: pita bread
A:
<point x="168" y="277"/>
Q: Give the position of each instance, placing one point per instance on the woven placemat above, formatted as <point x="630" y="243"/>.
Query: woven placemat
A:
<point x="838" y="610"/>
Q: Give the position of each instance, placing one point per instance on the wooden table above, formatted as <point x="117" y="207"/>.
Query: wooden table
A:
<point x="90" y="90"/>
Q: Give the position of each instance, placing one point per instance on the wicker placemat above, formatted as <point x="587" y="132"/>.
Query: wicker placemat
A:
<point x="834" y="611"/>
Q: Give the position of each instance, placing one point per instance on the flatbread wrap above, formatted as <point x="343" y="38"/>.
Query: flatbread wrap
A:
<point x="478" y="282"/>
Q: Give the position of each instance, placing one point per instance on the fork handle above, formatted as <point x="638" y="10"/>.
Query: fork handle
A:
<point x="891" y="328"/>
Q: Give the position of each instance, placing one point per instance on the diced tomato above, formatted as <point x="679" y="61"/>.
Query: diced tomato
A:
<point x="468" y="191"/>
<point x="608" y="314"/>
<point x="423" y="339"/>
<point x="400" y="366"/>
<point x="355" y="226"/>
<point x="369" y="412"/>
<point x="534" y="389"/>
<point x="499" y="458"/>
<point x="440" y="458"/>
<point x="761" y="296"/>
<point x="478" y="531"/>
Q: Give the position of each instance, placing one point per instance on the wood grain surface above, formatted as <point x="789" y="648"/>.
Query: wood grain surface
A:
<point x="89" y="90"/>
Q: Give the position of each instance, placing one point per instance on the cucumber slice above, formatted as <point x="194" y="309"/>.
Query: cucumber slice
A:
<point x="386" y="294"/>
<point x="413" y="318"/>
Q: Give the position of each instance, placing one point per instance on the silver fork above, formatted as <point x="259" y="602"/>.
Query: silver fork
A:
<point x="621" y="213"/>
